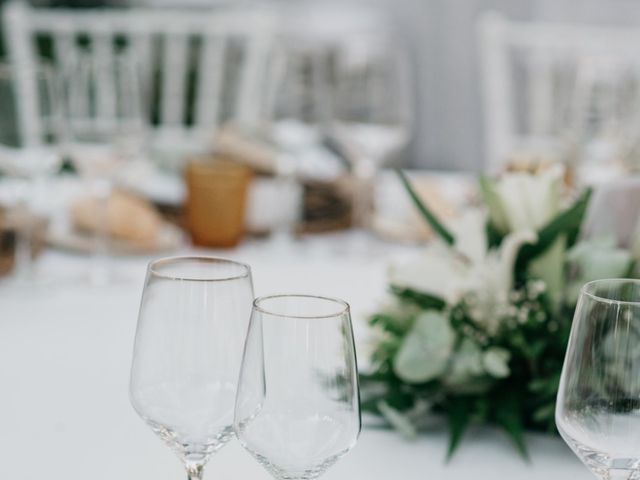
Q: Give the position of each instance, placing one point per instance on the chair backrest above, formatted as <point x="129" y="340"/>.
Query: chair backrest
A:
<point x="199" y="67"/>
<point x="529" y="74"/>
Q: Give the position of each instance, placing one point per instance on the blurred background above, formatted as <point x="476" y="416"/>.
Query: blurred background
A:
<point x="441" y="38"/>
<point x="147" y="126"/>
<point x="270" y="132"/>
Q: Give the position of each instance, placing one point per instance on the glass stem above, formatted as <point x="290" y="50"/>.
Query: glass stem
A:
<point x="194" y="472"/>
<point x="100" y="270"/>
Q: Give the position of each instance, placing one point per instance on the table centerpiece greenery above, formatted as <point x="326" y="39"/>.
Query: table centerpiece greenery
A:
<point x="475" y="328"/>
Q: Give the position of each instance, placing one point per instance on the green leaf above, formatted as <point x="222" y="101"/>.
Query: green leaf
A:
<point x="545" y="413"/>
<point x="546" y="386"/>
<point x="388" y="323"/>
<point x="568" y="222"/>
<point x="581" y="209"/>
<point x="631" y="271"/>
<point x="427" y="214"/>
<point x="494" y="237"/>
<point x="509" y="416"/>
<point x="421" y="299"/>
<point x="458" y="410"/>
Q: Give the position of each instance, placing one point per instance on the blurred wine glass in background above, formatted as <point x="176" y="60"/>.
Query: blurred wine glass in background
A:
<point x="371" y="111"/>
<point x="106" y="128"/>
<point x="606" y="117"/>
<point x="30" y="152"/>
<point x="298" y="109"/>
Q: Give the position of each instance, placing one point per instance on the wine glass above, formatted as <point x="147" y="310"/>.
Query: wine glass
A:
<point x="297" y="407"/>
<point x="30" y="139"/>
<point x="106" y="126"/>
<point x="296" y="113"/>
<point x="606" y="116"/>
<point x="598" y="405"/>
<point x="372" y="114"/>
<point x="192" y="324"/>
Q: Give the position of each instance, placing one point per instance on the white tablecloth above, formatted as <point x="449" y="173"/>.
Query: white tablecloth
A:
<point x="64" y="369"/>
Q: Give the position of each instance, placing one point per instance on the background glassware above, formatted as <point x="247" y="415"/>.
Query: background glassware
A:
<point x="606" y="114"/>
<point x="297" y="408"/>
<point x="186" y="361"/>
<point x="598" y="406"/>
<point x="29" y="160"/>
<point x="371" y="113"/>
<point x="297" y="109"/>
<point x="106" y="124"/>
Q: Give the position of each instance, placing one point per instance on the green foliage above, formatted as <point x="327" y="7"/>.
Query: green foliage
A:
<point x="535" y="337"/>
<point x="420" y="299"/>
<point x="458" y="414"/>
<point x="484" y="359"/>
<point x="567" y="223"/>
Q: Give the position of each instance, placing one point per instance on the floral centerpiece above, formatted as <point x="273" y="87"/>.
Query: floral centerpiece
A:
<point x="476" y="327"/>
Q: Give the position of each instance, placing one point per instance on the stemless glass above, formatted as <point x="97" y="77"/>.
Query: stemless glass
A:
<point x="192" y="324"/>
<point x="297" y="407"/>
<point x="598" y="407"/>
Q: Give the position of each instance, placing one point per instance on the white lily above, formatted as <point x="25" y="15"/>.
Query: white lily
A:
<point x="470" y="267"/>
<point x="524" y="201"/>
<point x="528" y="200"/>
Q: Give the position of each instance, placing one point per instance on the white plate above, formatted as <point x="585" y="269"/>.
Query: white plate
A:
<point x="170" y="238"/>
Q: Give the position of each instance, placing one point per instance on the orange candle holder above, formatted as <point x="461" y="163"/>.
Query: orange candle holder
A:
<point x="216" y="201"/>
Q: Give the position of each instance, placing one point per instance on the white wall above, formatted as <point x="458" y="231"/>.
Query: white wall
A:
<point x="442" y="35"/>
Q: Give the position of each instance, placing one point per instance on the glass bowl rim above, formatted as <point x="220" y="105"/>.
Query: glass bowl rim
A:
<point x="345" y="307"/>
<point x="152" y="268"/>
<point x="586" y="290"/>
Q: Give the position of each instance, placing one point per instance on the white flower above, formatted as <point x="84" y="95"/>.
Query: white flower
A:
<point x="466" y="374"/>
<point x="524" y="201"/>
<point x="496" y="362"/>
<point x="469" y="268"/>
<point x="425" y="350"/>
<point x="466" y="363"/>
<point x="529" y="201"/>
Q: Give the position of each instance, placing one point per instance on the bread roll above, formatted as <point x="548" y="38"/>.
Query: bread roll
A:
<point x="129" y="218"/>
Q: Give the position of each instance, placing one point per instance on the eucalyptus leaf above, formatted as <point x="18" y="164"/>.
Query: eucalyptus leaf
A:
<point x="424" y="353"/>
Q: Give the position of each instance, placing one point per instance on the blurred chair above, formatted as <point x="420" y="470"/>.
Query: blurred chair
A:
<point x="530" y="72"/>
<point x="199" y="68"/>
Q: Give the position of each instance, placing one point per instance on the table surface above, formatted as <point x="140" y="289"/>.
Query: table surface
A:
<point x="65" y="350"/>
